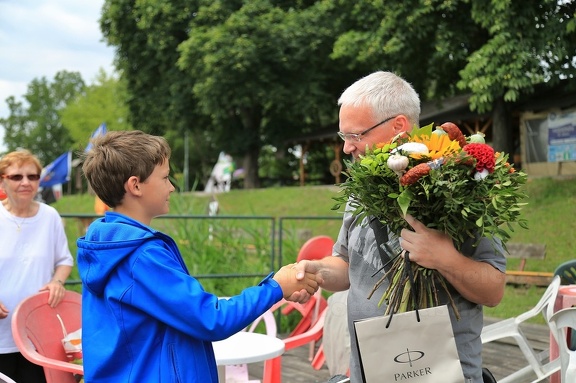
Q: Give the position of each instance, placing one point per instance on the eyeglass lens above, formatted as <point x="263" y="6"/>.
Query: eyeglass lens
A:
<point x="357" y="137"/>
<point x="20" y="177"/>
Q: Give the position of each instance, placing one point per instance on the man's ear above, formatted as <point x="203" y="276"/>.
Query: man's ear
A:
<point x="401" y="124"/>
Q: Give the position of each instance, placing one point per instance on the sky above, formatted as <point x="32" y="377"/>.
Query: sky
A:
<point x="39" y="38"/>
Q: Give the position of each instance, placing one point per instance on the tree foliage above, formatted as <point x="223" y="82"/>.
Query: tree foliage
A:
<point x="236" y="75"/>
<point x="37" y="125"/>
<point x="146" y="34"/>
<point x="249" y="72"/>
<point x="257" y="69"/>
<point x="104" y="101"/>
<point x="529" y="43"/>
<point x="496" y="50"/>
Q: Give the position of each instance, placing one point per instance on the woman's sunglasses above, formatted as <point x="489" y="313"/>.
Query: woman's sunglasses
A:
<point x="20" y="177"/>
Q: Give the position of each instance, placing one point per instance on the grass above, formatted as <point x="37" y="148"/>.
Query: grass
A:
<point x="243" y="245"/>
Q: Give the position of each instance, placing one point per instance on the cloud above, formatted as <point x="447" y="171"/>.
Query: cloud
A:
<point x="39" y="38"/>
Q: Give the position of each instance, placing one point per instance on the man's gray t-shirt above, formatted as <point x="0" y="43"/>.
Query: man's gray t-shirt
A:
<point x="356" y="244"/>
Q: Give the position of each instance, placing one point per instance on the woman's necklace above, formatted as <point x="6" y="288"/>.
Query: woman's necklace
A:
<point x="16" y="222"/>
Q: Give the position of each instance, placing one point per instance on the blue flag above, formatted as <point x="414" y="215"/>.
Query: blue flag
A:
<point x="100" y="131"/>
<point x="57" y="172"/>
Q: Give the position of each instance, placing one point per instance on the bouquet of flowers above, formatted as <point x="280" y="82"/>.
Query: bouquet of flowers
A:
<point x="452" y="183"/>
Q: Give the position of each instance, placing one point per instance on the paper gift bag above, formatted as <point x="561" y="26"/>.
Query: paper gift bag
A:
<point x="409" y="350"/>
<point x="72" y="342"/>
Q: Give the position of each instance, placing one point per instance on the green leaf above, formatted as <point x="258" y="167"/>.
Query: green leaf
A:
<point x="404" y="200"/>
<point x="480" y="221"/>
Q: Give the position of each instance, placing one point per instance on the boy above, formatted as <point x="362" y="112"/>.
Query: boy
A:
<point x="144" y="318"/>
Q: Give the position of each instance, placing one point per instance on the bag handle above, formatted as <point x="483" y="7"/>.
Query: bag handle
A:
<point x="407" y="273"/>
<point x="62" y="324"/>
<point x="387" y="253"/>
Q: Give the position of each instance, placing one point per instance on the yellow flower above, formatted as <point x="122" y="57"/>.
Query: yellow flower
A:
<point x="438" y="146"/>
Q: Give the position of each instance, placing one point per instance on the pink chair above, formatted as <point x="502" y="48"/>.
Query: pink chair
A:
<point x="239" y="372"/>
<point x="316" y="247"/>
<point x="38" y="333"/>
<point x="273" y="367"/>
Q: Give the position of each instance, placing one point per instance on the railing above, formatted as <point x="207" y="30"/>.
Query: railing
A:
<point x="275" y="240"/>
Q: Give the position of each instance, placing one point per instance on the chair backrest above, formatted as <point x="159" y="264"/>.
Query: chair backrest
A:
<point x="269" y="323"/>
<point x="313" y="334"/>
<point x="5" y="379"/>
<point x="567" y="272"/>
<point x="316" y="247"/>
<point x="545" y="305"/>
<point x="565" y="323"/>
<point x="38" y="333"/>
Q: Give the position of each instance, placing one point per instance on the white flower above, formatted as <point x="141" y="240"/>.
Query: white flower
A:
<point x="479" y="176"/>
<point x="413" y="147"/>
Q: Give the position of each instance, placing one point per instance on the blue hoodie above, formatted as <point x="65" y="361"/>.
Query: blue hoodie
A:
<point x="144" y="318"/>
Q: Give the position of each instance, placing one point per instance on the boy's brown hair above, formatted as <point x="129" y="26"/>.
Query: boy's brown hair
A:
<point x="119" y="155"/>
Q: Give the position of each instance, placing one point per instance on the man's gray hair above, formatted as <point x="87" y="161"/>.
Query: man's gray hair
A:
<point x="386" y="93"/>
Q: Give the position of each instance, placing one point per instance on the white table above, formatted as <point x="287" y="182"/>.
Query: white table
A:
<point x="246" y="347"/>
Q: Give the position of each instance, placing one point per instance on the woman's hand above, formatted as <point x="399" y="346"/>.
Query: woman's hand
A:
<point x="57" y="291"/>
<point x="3" y="311"/>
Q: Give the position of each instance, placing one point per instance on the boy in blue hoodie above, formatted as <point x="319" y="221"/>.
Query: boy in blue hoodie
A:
<point x="144" y="318"/>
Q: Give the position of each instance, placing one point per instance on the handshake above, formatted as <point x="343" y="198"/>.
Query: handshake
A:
<point x="286" y="278"/>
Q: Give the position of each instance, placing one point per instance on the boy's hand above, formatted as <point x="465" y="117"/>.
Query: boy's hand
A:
<point x="286" y="278"/>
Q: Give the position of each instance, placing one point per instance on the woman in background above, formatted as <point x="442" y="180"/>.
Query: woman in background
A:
<point x="34" y="255"/>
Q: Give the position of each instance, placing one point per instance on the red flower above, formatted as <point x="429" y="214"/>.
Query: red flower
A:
<point x="483" y="154"/>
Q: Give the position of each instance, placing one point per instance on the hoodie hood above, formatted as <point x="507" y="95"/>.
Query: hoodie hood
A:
<point x="104" y="247"/>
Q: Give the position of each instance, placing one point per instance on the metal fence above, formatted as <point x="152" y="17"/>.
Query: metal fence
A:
<point x="275" y="228"/>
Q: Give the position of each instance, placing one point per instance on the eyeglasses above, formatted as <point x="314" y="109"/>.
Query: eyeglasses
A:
<point x="20" y="177"/>
<point x="357" y="137"/>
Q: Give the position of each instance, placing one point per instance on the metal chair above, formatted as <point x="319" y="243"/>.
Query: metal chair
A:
<point x="37" y="331"/>
<point x="565" y="322"/>
<point x="537" y="362"/>
<point x="567" y="272"/>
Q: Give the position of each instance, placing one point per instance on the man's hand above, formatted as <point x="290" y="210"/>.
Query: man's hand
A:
<point x="303" y="268"/>
<point x="426" y="245"/>
<point x="291" y="282"/>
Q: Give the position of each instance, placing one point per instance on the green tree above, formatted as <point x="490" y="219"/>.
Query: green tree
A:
<point x="241" y="74"/>
<point x="102" y="102"/>
<point x="249" y="73"/>
<point x="498" y="50"/>
<point x="250" y="67"/>
<point x="37" y="126"/>
<point x="146" y="35"/>
<point x="529" y="44"/>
